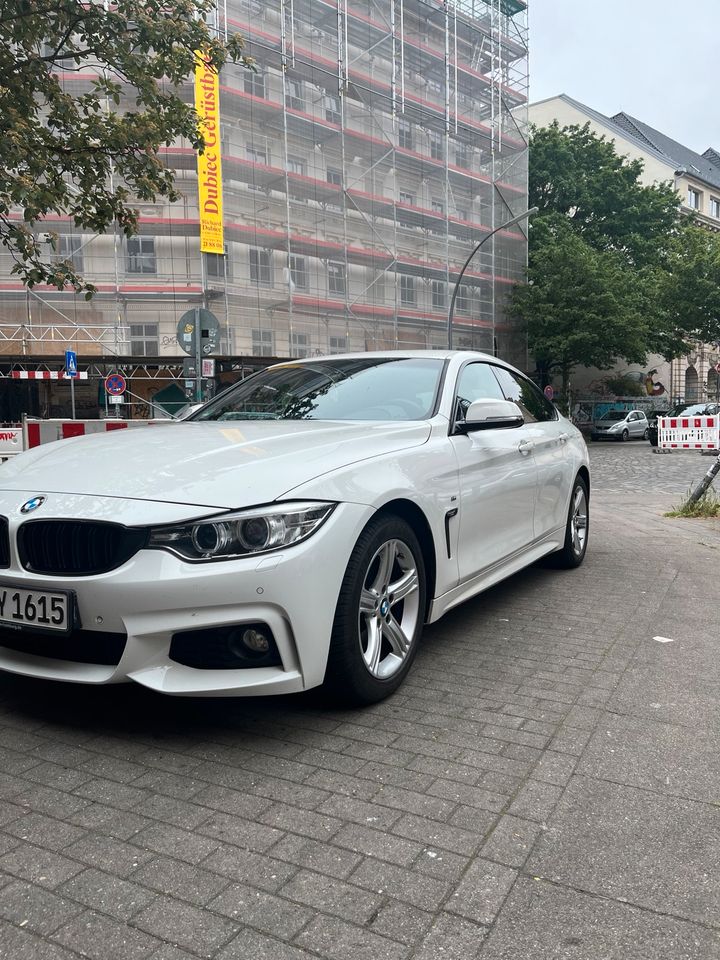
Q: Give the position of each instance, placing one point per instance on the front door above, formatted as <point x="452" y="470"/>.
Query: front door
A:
<point x="498" y="480"/>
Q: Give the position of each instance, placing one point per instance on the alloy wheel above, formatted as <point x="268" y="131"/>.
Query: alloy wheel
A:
<point x="579" y="521"/>
<point x="389" y="609"/>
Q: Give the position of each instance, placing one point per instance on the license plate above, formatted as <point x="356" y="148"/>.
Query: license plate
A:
<point x="39" y="609"/>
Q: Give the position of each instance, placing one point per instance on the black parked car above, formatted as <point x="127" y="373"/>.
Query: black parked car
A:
<point x="693" y="409"/>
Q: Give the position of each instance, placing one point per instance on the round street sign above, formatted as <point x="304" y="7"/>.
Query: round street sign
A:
<point x="115" y="384"/>
<point x="549" y="392"/>
<point x="200" y="323"/>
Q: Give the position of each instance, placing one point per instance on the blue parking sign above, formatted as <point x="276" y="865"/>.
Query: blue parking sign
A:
<point x="71" y="367"/>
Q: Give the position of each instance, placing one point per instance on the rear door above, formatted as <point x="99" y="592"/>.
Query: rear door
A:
<point x="548" y="435"/>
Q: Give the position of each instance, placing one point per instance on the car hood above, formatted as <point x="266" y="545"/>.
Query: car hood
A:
<point x="228" y="465"/>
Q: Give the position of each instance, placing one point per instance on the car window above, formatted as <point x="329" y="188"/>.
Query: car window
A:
<point x="476" y="382"/>
<point x="693" y="410"/>
<point x="534" y="405"/>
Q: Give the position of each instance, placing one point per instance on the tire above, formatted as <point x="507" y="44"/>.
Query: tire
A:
<point x="646" y="435"/>
<point x="573" y="551"/>
<point x="625" y="436"/>
<point x="375" y="634"/>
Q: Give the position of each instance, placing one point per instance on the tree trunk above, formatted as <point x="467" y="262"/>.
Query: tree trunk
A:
<point x="565" y="371"/>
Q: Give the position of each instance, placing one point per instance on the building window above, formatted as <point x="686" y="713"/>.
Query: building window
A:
<point x="462" y="301"/>
<point x="435" y="86"/>
<point x="715" y="208"/>
<point x="408" y="198"/>
<point x="298" y="272"/>
<point x="254" y="83"/>
<point x="141" y="255"/>
<point x="261" y="266"/>
<point x="336" y="277"/>
<point x="437" y="206"/>
<point x="332" y="109"/>
<point x="337" y="344"/>
<point x="405" y="134"/>
<point x="437" y="146"/>
<point x="256" y="154"/>
<point x="299" y="345"/>
<point x="694" y="199"/>
<point x="144" y="340"/>
<point x="439" y="294"/>
<point x="70" y="248"/>
<point x="296" y="165"/>
<point x="294" y="99"/>
<point x="463" y="154"/>
<point x="334" y="176"/>
<point x="407" y="289"/>
<point x="262" y="343"/>
<point x="216" y="265"/>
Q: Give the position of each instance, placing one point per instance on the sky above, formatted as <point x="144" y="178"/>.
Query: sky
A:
<point x="655" y="59"/>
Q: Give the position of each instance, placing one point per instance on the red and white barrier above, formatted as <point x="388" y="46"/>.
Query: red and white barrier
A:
<point x="37" y="432"/>
<point x="11" y="441"/>
<point x="46" y="375"/>
<point x="689" y="433"/>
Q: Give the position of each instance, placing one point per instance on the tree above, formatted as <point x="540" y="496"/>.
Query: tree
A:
<point x="579" y="306"/>
<point x="89" y="93"/>
<point x="689" y="292"/>
<point x="598" y="246"/>
<point x="580" y="176"/>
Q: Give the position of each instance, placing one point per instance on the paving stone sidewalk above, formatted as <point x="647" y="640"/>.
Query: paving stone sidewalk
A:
<point x="545" y="785"/>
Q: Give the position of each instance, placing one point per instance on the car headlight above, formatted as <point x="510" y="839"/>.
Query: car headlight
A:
<point x="244" y="532"/>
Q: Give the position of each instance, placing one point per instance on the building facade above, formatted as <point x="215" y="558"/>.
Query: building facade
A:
<point x="374" y="145"/>
<point x="696" y="178"/>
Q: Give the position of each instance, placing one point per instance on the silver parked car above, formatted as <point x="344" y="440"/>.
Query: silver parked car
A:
<point x="620" y="425"/>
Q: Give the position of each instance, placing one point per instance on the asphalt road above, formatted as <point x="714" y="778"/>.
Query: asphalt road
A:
<point x="545" y="785"/>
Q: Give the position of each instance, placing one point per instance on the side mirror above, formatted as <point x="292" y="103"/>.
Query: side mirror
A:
<point x="491" y="415"/>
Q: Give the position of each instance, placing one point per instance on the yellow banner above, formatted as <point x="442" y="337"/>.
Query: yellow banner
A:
<point x="207" y="104"/>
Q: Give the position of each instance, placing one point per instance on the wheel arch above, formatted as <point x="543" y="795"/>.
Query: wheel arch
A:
<point x="415" y="517"/>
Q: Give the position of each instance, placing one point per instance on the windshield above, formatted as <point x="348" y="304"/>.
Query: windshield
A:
<point x="614" y="415"/>
<point x="378" y="388"/>
<point x="693" y="410"/>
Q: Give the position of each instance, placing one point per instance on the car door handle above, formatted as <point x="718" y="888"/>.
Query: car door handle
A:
<point x="525" y="447"/>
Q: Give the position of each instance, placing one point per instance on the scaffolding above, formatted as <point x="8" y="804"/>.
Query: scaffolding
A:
<point x="378" y="141"/>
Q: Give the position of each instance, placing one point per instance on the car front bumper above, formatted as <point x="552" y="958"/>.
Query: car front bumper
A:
<point x="156" y="595"/>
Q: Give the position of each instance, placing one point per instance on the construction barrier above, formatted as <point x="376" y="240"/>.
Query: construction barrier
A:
<point x="689" y="433"/>
<point x="37" y="432"/>
<point x="11" y="441"/>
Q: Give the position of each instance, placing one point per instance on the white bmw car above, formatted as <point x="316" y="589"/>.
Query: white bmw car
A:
<point x="300" y="529"/>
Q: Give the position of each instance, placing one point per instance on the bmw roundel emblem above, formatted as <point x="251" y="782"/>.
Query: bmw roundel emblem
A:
<point x="32" y="504"/>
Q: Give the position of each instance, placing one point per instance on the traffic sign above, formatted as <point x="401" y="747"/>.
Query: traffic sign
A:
<point x="71" y="369"/>
<point x="549" y="392"/>
<point x="200" y="323"/>
<point x="115" y="384"/>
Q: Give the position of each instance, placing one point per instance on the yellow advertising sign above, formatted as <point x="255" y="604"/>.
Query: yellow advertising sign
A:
<point x="207" y="104"/>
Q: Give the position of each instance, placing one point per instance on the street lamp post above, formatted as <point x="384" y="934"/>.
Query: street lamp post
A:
<point x="503" y="226"/>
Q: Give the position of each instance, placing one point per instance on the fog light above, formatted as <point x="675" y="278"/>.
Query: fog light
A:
<point x="232" y="647"/>
<point x="255" y="641"/>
